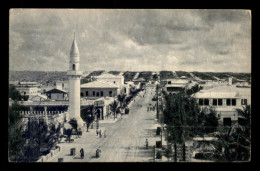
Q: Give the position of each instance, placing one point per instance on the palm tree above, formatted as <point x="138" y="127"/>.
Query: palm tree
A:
<point x="121" y="98"/>
<point x="114" y="107"/>
<point x="236" y="139"/>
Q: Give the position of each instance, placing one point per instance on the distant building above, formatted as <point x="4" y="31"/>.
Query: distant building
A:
<point x="96" y="89"/>
<point x="28" y="88"/>
<point x="225" y="100"/>
<point x="62" y="85"/>
<point x="117" y="80"/>
<point x="57" y="94"/>
<point x="175" y="85"/>
<point x="139" y="82"/>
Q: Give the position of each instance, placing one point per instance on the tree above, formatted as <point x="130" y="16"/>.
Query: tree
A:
<point x="39" y="139"/>
<point x="181" y="116"/>
<point x="15" y="132"/>
<point x="73" y="122"/>
<point x="121" y="98"/>
<point x="114" y="107"/>
<point x="14" y="94"/>
<point x="211" y="122"/>
<point x="236" y="140"/>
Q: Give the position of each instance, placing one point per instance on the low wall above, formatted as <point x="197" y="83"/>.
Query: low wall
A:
<point x="50" y="155"/>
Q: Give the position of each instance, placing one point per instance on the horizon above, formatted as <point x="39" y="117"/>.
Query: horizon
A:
<point x="131" y="40"/>
<point x="129" y="71"/>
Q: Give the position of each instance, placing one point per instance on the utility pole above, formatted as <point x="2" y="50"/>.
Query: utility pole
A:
<point x="157" y="111"/>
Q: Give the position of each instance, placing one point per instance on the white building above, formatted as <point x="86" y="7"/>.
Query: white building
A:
<point x="225" y="100"/>
<point x="175" y="85"/>
<point x="62" y="85"/>
<point x="117" y="80"/>
<point x="28" y="88"/>
<point x="96" y="89"/>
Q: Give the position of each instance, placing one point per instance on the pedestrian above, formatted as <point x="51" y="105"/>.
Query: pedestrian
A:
<point x="82" y="153"/>
<point x="98" y="152"/>
<point x="97" y="132"/>
<point x="104" y="134"/>
<point x="100" y="135"/>
<point x="146" y="143"/>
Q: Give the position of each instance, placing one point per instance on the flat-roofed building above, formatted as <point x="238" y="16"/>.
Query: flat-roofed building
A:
<point x="97" y="89"/>
<point x="225" y="100"/>
<point x="62" y="85"/>
<point x="175" y="85"/>
<point x="117" y="80"/>
<point x="28" y="88"/>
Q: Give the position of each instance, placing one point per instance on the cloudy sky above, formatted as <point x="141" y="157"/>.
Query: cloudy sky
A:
<point x="131" y="40"/>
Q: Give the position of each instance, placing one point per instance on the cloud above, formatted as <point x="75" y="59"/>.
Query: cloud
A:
<point x="40" y="39"/>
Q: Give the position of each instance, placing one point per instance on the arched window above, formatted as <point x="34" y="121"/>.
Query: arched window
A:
<point x="73" y="67"/>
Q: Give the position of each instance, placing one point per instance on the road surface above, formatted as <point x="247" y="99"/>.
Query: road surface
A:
<point x="125" y="141"/>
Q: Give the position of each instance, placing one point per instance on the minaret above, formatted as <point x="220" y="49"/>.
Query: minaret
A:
<point x="74" y="73"/>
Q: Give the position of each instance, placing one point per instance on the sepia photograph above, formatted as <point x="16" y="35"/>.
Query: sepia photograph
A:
<point x="129" y="85"/>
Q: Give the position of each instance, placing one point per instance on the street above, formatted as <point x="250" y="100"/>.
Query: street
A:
<point x="125" y="138"/>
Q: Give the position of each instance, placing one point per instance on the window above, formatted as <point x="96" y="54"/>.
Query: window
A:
<point x="201" y="102"/>
<point x="94" y="93"/>
<point x="215" y="102"/>
<point x="110" y="93"/>
<point x="228" y="102"/>
<point x="62" y="85"/>
<point x="81" y="94"/>
<point x="243" y="101"/>
<point x="114" y="82"/>
<point x="73" y="67"/>
<point x="234" y="102"/>
<point x="86" y="93"/>
<point x="220" y="102"/>
<point x="169" y="82"/>
<point x="101" y="93"/>
<point x="97" y="94"/>
<point x="206" y="102"/>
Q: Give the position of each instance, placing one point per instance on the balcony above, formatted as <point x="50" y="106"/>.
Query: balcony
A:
<point x="79" y="73"/>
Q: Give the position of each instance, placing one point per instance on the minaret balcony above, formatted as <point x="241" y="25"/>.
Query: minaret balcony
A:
<point x="71" y="72"/>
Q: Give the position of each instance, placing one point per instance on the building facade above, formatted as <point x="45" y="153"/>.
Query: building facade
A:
<point x="117" y="80"/>
<point x="225" y="100"/>
<point x="97" y="89"/>
<point x="56" y="94"/>
<point x="28" y="88"/>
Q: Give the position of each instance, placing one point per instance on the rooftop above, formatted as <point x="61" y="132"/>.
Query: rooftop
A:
<point x="178" y="81"/>
<point x="223" y="92"/>
<point x="56" y="90"/>
<point x="98" y="84"/>
<point x="27" y="83"/>
<point x="107" y="75"/>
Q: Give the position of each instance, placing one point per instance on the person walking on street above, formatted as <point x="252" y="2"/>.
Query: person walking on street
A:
<point x="98" y="152"/>
<point x="82" y="153"/>
<point x="105" y="134"/>
<point x="100" y="135"/>
<point x="146" y="143"/>
<point x="97" y="132"/>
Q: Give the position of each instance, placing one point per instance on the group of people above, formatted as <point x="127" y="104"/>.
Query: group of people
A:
<point x="151" y="107"/>
<point x="98" y="152"/>
<point x="99" y="133"/>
